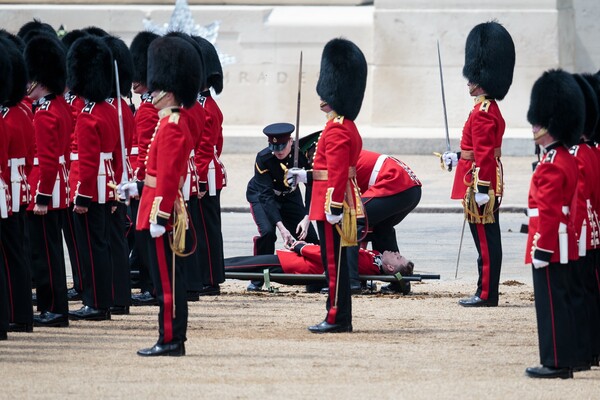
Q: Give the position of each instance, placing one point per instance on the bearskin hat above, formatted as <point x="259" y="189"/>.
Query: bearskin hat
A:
<point x="198" y="49"/>
<point x="594" y="82"/>
<point x="120" y="53"/>
<point x="5" y="72"/>
<point x="174" y="66"/>
<point x="591" y="105"/>
<point x="557" y="104"/>
<point x="33" y="28"/>
<point x="45" y="58"/>
<point x="139" y="53"/>
<point x="212" y="65"/>
<point x="95" y="31"/>
<point x="70" y="37"/>
<point x="343" y="77"/>
<point x="19" y="77"/>
<point x="490" y="58"/>
<point x="17" y="41"/>
<point x="90" y="67"/>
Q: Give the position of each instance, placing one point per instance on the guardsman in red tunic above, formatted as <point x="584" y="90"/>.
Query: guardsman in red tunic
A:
<point x="76" y="103"/>
<point x="489" y="65"/>
<point x="211" y="174"/>
<point x="305" y="258"/>
<point x="174" y="76"/>
<point x="5" y="74"/>
<point x="557" y="113"/>
<point x="90" y="73"/>
<point x="335" y="202"/>
<point x="119" y="225"/>
<point x="146" y="118"/>
<point x="20" y="139"/>
<point x="52" y="121"/>
<point x="390" y="190"/>
<point x="585" y="299"/>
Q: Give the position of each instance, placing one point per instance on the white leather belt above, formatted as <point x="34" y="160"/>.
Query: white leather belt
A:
<point x="380" y="160"/>
<point x="61" y="160"/>
<point x="134" y="151"/>
<point x="74" y="157"/>
<point x="101" y="181"/>
<point x="535" y="212"/>
<point x="16" y="178"/>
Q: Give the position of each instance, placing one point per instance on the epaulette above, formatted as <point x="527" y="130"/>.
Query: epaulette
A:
<point x="88" y="107"/>
<point x="174" y="118"/>
<point x="550" y="156"/>
<point x="485" y="105"/>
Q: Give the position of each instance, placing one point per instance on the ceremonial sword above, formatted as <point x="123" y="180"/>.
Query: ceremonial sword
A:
<point x="124" y="177"/>
<point x="444" y="102"/>
<point x="297" y="146"/>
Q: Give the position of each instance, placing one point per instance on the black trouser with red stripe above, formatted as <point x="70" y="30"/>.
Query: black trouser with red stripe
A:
<point x="119" y="248"/>
<point x="489" y="262"/>
<point x="553" y="308"/>
<point x="592" y="285"/>
<point x="254" y="264"/>
<point x="3" y="297"/>
<point x="93" y="241"/>
<point x="171" y="328"/>
<point x="70" y="240"/>
<point x="210" y="240"/>
<point x="137" y="258"/>
<point x="335" y="262"/>
<point x="18" y="270"/>
<point x="192" y="264"/>
<point x="48" y="261"/>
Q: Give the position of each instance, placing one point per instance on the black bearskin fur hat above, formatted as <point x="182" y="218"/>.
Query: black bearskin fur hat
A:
<point x="139" y="53"/>
<point x="490" y="58"/>
<point x="18" y="78"/>
<point x="33" y="28"/>
<point x="174" y="66"/>
<point x="45" y="58"/>
<point x="196" y="47"/>
<point x="17" y="41"/>
<point x="90" y="67"/>
<point x="594" y="82"/>
<point x="343" y="77"/>
<point x="5" y="72"/>
<point x="95" y="31"/>
<point x="120" y="53"/>
<point x="591" y="105"/>
<point x="558" y="105"/>
<point x="71" y="36"/>
<point x="212" y="64"/>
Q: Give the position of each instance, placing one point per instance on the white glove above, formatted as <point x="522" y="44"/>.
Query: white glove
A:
<point x="127" y="190"/>
<point x="537" y="264"/>
<point x="294" y="176"/>
<point x="157" y="230"/>
<point x="333" y="219"/>
<point x="481" y="198"/>
<point x="450" y="158"/>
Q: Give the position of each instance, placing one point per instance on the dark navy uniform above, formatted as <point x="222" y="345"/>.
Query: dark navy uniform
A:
<point x="271" y="200"/>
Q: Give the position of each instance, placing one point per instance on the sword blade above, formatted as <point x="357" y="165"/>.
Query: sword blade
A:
<point x="297" y="142"/>
<point x="443" y="97"/>
<point x="124" y="177"/>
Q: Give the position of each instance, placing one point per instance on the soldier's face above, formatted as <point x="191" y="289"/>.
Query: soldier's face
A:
<point x="281" y="154"/>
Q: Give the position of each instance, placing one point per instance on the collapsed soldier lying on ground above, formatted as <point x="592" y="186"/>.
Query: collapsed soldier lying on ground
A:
<point x="305" y="258"/>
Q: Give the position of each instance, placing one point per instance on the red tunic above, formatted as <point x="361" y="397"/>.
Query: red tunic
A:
<point x="194" y="118"/>
<point x="76" y="104"/>
<point x="20" y="137"/>
<point x="146" y="118"/>
<point x="52" y="123"/>
<point x="379" y="175"/>
<point x="587" y="192"/>
<point x="100" y="158"/>
<point x="167" y="162"/>
<point x="482" y="135"/>
<point x="337" y="149"/>
<point x="214" y="134"/>
<point x="309" y="261"/>
<point x="5" y="207"/>
<point x="551" y="191"/>
<point x="128" y="133"/>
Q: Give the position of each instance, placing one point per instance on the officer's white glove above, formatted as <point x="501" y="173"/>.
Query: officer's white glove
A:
<point x="127" y="190"/>
<point x="157" y="230"/>
<point x="333" y="219"/>
<point x="481" y="198"/>
<point x="450" y="158"/>
<point x="294" y="176"/>
<point x="537" y="264"/>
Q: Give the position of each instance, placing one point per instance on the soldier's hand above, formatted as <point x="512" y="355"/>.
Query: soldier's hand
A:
<point x="333" y="219"/>
<point x="294" y="176"/>
<point x="127" y="190"/>
<point x="481" y="198"/>
<point x="39" y="209"/>
<point x="157" y="230"/>
<point x="537" y="264"/>
<point x="302" y="228"/>
<point x="286" y="236"/>
<point x="79" y="209"/>
<point x="450" y="159"/>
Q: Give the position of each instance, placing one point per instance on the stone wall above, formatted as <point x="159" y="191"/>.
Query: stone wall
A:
<point x="398" y="38"/>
